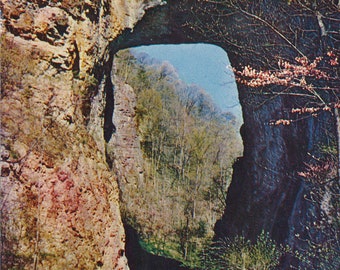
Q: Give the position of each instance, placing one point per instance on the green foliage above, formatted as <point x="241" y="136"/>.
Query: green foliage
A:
<point x="329" y="149"/>
<point x="239" y="253"/>
<point x="188" y="148"/>
<point x="154" y="247"/>
<point x="148" y="111"/>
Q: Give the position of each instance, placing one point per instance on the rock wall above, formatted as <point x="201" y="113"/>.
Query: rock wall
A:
<point x="124" y="146"/>
<point x="267" y="192"/>
<point x="59" y="201"/>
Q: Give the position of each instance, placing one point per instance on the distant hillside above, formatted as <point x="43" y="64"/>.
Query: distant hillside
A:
<point x="203" y="64"/>
<point x="172" y="75"/>
<point x="188" y="147"/>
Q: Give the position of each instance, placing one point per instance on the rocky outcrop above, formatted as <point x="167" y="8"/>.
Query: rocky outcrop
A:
<point x="124" y="147"/>
<point x="59" y="201"/>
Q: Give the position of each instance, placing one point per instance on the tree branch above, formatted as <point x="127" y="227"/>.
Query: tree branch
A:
<point x="272" y="28"/>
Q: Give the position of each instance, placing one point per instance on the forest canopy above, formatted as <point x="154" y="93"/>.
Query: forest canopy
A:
<point x="188" y="146"/>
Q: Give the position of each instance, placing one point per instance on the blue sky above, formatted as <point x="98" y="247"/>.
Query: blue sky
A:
<point x="202" y="64"/>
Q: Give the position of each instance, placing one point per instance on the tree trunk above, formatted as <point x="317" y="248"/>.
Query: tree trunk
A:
<point x="337" y="121"/>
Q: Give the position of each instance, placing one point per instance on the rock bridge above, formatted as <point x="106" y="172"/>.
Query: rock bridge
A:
<point x="58" y="172"/>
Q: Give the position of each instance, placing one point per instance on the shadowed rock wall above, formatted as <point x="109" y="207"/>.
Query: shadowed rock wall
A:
<point x="266" y="192"/>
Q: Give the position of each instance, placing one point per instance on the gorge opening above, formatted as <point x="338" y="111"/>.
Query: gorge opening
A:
<point x="177" y="119"/>
<point x="60" y="202"/>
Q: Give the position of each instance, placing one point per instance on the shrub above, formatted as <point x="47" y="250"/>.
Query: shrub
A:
<point x="239" y="253"/>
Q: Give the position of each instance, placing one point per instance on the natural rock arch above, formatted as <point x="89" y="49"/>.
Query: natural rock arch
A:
<point x="265" y="194"/>
<point x="53" y="171"/>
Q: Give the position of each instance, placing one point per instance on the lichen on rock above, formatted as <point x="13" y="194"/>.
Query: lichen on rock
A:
<point x="59" y="201"/>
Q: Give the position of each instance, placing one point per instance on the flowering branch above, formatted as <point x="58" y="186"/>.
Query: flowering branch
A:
<point x="299" y="75"/>
<point x="288" y="74"/>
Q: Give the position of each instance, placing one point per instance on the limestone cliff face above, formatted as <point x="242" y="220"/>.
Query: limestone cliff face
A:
<point x="59" y="202"/>
<point x="124" y="146"/>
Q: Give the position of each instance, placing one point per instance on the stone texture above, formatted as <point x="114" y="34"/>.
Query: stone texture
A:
<point x="266" y="192"/>
<point x="63" y="220"/>
<point x="124" y="145"/>
<point x="59" y="200"/>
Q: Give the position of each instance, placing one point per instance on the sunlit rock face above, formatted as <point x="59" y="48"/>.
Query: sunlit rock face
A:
<point x="59" y="201"/>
